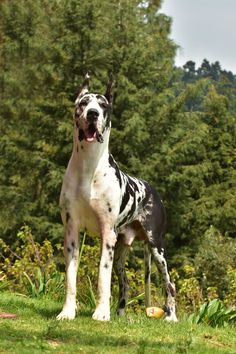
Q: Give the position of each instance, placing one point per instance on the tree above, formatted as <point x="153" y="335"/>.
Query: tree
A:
<point x="46" y="49"/>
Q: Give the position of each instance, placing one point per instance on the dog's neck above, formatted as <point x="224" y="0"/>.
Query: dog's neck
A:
<point x="86" y="157"/>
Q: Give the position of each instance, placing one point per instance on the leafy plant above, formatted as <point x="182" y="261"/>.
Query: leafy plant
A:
<point x="214" y="313"/>
<point x="30" y="267"/>
<point x="42" y="284"/>
<point x="4" y="284"/>
<point x="87" y="298"/>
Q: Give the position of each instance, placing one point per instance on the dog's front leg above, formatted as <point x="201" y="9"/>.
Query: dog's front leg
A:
<point x="102" y="312"/>
<point x="71" y="251"/>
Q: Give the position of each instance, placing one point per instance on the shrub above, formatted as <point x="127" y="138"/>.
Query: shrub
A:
<point x="189" y="291"/>
<point x="30" y="268"/>
<point x="215" y="264"/>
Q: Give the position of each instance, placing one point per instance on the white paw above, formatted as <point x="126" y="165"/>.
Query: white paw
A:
<point x="66" y="314"/>
<point x="171" y="318"/>
<point x="102" y="313"/>
<point x="121" y="312"/>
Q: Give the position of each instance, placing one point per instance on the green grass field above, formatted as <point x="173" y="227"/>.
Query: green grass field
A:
<point x="35" y="330"/>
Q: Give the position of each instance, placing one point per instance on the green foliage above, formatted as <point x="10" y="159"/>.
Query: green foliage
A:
<point x="189" y="291"/>
<point x="216" y="264"/>
<point x="46" y="48"/>
<point x="175" y="127"/>
<point x="208" y="275"/>
<point x="31" y="268"/>
<point x="215" y="314"/>
<point x="42" y="284"/>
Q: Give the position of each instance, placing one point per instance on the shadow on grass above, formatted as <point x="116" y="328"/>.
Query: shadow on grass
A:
<point x="72" y="338"/>
<point x="22" y="305"/>
<point x="82" y="332"/>
<point x="44" y="307"/>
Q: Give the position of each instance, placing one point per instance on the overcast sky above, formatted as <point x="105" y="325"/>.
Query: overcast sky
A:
<point x="204" y="29"/>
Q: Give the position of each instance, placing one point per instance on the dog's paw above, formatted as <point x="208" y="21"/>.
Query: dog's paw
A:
<point x="120" y="312"/>
<point x="171" y="318"/>
<point x="66" y="314"/>
<point x="102" y="313"/>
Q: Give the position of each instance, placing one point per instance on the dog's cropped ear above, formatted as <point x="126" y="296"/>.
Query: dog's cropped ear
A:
<point x="84" y="88"/>
<point x="109" y="91"/>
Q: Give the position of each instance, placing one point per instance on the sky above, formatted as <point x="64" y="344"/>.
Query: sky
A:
<point x="204" y="29"/>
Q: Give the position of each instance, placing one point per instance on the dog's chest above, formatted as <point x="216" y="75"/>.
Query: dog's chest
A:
<point x="92" y="200"/>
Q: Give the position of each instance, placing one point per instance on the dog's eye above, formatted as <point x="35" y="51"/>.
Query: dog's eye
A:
<point x="82" y="104"/>
<point x="103" y="105"/>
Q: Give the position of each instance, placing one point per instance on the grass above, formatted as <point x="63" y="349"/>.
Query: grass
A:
<point x="35" y="330"/>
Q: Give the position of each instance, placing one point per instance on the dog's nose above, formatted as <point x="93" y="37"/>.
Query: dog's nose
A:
<point x="92" y="115"/>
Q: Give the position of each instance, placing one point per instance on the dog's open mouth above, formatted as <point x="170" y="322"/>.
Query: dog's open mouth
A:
<point x="91" y="134"/>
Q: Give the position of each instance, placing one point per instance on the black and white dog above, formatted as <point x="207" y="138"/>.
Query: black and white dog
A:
<point x="98" y="197"/>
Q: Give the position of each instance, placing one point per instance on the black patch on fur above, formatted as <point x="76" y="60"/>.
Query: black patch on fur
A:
<point x="106" y="265"/>
<point x="122" y="304"/>
<point x="123" y="221"/>
<point x="109" y="207"/>
<point x="132" y="209"/>
<point x="124" y="202"/>
<point x="133" y="184"/>
<point x="108" y="246"/>
<point x="171" y="289"/>
<point x="99" y="137"/>
<point x="81" y="135"/>
<point x="130" y="189"/>
<point x="156" y="217"/>
<point x="114" y="165"/>
<point x="147" y="274"/>
<point x="166" y="309"/>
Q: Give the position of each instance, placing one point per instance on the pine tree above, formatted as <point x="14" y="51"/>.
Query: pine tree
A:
<point x="46" y="48"/>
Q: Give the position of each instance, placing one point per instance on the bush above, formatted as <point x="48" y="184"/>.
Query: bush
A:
<point x="215" y="265"/>
<point x="210" y="275"/>
<point x="30" y="268"/>
<point x="188" y="288"/>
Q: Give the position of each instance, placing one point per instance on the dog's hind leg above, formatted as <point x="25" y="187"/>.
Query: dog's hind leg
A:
<point x="159" y="259"/>
<point x="121" y="251"/>
<point x="147" y="272"/>
<point x="71" y="251"/>
<point x="154" y="222"/>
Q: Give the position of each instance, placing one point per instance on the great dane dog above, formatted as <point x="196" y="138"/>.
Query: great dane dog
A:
<point x="98" y="197"/>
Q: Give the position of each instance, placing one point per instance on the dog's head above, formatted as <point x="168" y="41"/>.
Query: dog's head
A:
<point x="93" y="112"/>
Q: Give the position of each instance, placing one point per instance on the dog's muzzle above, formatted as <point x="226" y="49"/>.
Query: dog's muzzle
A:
<point x="91" y="132"/>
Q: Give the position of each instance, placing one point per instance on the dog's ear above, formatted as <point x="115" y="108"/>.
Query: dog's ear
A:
<point x="84" y="88"/>
<point x="109" y="91"/>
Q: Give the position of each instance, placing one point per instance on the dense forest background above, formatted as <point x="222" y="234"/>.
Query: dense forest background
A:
<point x="175" y="127"/>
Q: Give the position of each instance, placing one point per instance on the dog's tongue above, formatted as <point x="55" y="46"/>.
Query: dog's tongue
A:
<point x="90" y="136"/>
